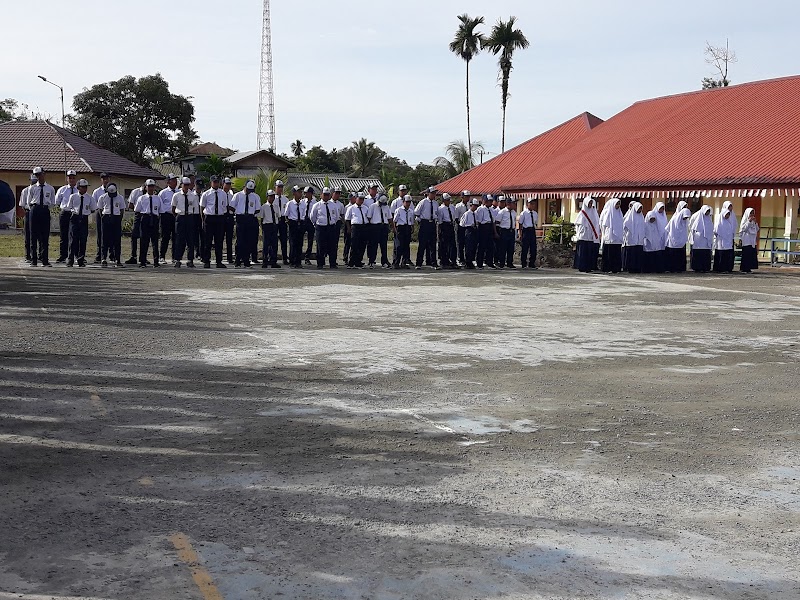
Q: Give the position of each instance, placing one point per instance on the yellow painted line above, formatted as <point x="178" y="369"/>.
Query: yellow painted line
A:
<point x="201" y="577"/>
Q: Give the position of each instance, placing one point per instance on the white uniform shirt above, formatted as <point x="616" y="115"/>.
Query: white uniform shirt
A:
<point x="337" y="210"/>
<point x="166" y="199"/>
<point x="23" y="198"/>
<point x="506" y="219"/>
<point x="469" y="219"/>
<point x="179" y="203"/>
<point x="280" y="204"/>
<point x="404" y="216"/>
<point x="98" y="192"/>
<point x="269" y="212"/>
<point x="305" y="208"/>
<point x="446" y="214"/>
<point x="320" y="216"/>
<point x="528" y="218"/>
<point x="111" y="206"/>
<point x="246" y="204"/>
<point x="81" y="204"/>
<point x="135" y="195"/>
<point x="426" y="210"/>
<point x="214" y="202"/>
<point x="63" y="195"/>
<point x="459" y="210"/>
<point x="484" y="215"/>
<point x="358" y="214"/>
<point x="369" y="200"/>
<point x="379" y="215"/>
<point x="148" y="205"/>
<point x="292" y="210"/>
<point x="41" y="194"/>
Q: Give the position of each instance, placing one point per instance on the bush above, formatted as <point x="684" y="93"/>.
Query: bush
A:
<point x="560" y="234"/>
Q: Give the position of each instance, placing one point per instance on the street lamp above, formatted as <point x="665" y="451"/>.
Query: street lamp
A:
<point x="43" y="78"/>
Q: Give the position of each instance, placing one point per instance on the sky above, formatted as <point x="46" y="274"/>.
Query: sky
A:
<point x="381" y="69"/>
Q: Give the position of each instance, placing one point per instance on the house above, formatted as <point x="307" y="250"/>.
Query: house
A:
<point x="334" y="180"/>
<point x="196" y="155"/>
<point x="247" y="164"/>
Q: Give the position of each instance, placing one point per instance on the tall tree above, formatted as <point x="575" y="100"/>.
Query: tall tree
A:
<point x="137" y="118"/>
<point x="720" y="57"/>
<point x="503" y="41"/>
<point x="215" y="165"/>
<point x="466" y="44"/>
<point x="457" y="159"/>
<point x="367" y="158"/>
<point x="298" y="148"/>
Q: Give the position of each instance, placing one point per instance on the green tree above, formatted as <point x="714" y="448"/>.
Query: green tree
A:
<point x="137" y="118"/>
<point x="13" y="110"/>
<point x="457" y="158"/>
<point x="265" y="180"/>
<point x="215" y="165"/>
<point x="317" y="160"/>
<point x="298" y="148"/>
<point x="367" y="158"/>
<point x="503" y="41"/>
<point x="466" y="44"/>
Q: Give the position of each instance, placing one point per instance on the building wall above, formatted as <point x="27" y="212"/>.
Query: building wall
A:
<point x="251" y="166"/>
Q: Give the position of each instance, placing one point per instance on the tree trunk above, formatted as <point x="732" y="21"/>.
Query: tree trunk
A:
<point x="469" y="133"/>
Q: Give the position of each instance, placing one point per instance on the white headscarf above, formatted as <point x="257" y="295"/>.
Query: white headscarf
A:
<point x="727" y="205"/>
<point x="653" y="233"/>
<point x="724" y="230"/>
<point x="633" y="225"/>
<point x="678" y="229"/>
<point x="745" y="219"/>
<point x="611" y="222"/>
<point x="661" y="218"/>
<point x="587" y="223"/>
<point x="701" y="228"/>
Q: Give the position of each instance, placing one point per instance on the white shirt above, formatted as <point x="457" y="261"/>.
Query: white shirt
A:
<point x="214" y="202"/>
<point x="75" y="201"/>
<point x="528" y="218"/>
<point x="246" y="204"/>
<point x="337" y="210"/>
<point x="379" y="215"/>
<point x="23" y="198"/>
<point x="358" y="214"/>
<point x="179" y="203"/>
<point x="166" y="199"/>
<point x="469" y="219"/>
<point x="135" y="195"/>
<point x="404" y="216"/>
<point x="459" y="210"/>
<point x="323" y="213"/>
<point x="98" y="192"/>
<point x="306" y="205"/>
<point x="41" y="194"/>
<point x="293" y="210"/>
<point x="446" y="214"/>
<point x="63" y="195"/>
<point x="506" y="219"/>
<point x="148" y="205"/>
<point x="398" y="203"/>
<point x="484" y="215"/>
<point x="426" y="210"/>
<point x="267" y="210"/>
<point x="370" y="200"/>
<point x="347" y="211"/>
<point x="280" y="205"/>
<point x="111" y="206"/>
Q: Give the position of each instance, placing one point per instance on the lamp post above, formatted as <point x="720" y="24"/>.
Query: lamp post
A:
<point x="43" y="78"/>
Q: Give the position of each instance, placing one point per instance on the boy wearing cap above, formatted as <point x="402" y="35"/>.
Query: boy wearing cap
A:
<point x="324" y="216"/>
<point x="308" y="227"/>
<point x="372" y="197"/>
<point x="26" y="221"/>
<point x="199" y="234"/>
<point x="270" y="224"/>
<point x="229" y="224"/>
<point x="137" y="222"/>
<point x="111" y="208"/>
<point x="446" y="219"/>
<point x="379" y="218"/>
<point x="347" y="228"/>
<point x="402" y="192"/>
<point x="98" y="218"/>
<point x="214" y="203"/>
<point x="186" y="208"/>
<point x="166" y="218"/>
<point x="358" y="233"/>
<point x="458" y="211"/>
<point x="245" y="205"/>
<point x="148" y="206"/>
<point x="63" y="196"/>
<point x="507" y="224"/>
<point x="281" y="202"/>
<point x="426" y="212"/>
<point x="528" y="219"/>
<point x="80" y="206"/>
<point x="403" y="226"/>
<point x="337" y="209"/>
<point x="293" y="214"/>
<point x="487" y="233"/>
<point x="41" y="196"/>
<point x="469" y="222"/>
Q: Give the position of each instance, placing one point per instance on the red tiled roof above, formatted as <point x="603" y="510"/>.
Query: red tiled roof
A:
<point x="28" y="144"/>
<point x="742" y="135"/>
<point x="492" y="176"/>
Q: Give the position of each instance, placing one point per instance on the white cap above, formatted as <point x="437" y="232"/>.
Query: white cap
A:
<point x="149" y="182"/>
<point x="227" y="180"/>
<point x="465" y="193"/>
<point x="278" y="183"/>
<point x="186" y="181"/>
<point x="308" y="189"/>
<point x="530" y="199"/>
<point x="270" y="193"/>
<point x="250" y="185"/>
<point x="83" y="183"/>
<point x="33" y="177"/>
<point x="402" y="187"/>
<point x="475" y="202"/>
<point x="361" y="195"/>
<point x="38" y="170"/>
<point x="407" y="198"/>
<point x="71" y="173"/>
<point x="501" y="198"/>
<point x="326" y="190"/>
<point x="172" y="176"/>
<point x="112" y="187"/>
<point x="445" y="196"/>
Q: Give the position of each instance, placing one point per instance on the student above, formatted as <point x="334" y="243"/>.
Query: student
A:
<point x="748" y="232"/>
<point x="724" y="232"/>
<point x="186" y="208"/>
<point x="633" y="238"/>
<point x="63" y="196"/>
<point x="587" y="234"/>
<point x="611" y="228"/>
<point x="244" y="206"/>
<point x="701" y="237"/>
<point x="458" y="212"/>
<point x="80" y="206"/>
<point x="660" y="212"/>
<point x="403" y="225"/>
<point x="469" y="222"/>
<point x="324" y="216"/>
<point x="148" y="207"/>
<point x="379" y="218"/>
<point x="677" y="237"/>
<point x="507" y="226"/>
<point x="270" y="229"/>
<point x="528" y="219"/>
<point x="359" y="226"/>
<point x="111" y="207"/>
<point x="446" y="218"/>
<point x="652" y="244"/>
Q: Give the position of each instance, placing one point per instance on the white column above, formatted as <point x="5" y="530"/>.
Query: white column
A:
<point x="790" y="229"/>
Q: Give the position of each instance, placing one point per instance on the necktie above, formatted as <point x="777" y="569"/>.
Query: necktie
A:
<point x="491" y="216"/>
<point x="151" y="203"/>
<point x="81" y="210"/>
<point x="328" y="212"/>
<point x="186" y="203"/>
<point x="362" y="215"/>
<point x="450" y="212"/>
<point x="430" y="203"/>
<point x="41" y="194"/>
<point x="71" y="191"/>
<point x="380" y="208"/>
<point x="406" y="217"/>
<point x="272" y="210"/>
<point x="247" y="202"/>
<point x="216" y="203"/>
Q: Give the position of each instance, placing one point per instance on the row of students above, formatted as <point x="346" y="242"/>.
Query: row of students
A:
<point x="651" y="243"/>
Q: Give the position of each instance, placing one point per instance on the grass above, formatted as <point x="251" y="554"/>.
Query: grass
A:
<point x="12" y="244"/>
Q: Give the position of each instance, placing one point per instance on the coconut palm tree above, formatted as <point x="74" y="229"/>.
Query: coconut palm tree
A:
<point x="466" y="44"/>
<point x="503" y="41"/>
<point x="367" y="158"/>
<point x="298" y="148"/>
<point x="265" y="180"/>
<point x="457" y="159"/>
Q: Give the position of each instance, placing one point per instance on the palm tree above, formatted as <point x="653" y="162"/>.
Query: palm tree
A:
<point x="298" y="148"/>
<point x="504" y="40"/>
<point x="265" y="180"/>
<point x="367" y="158"/>
<point x="466" y="44"/>
<point x="215" y="165"/>
<point x="457" y="159"/>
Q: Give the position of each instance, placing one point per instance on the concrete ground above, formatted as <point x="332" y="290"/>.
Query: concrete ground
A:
<point x="236" y="434"/>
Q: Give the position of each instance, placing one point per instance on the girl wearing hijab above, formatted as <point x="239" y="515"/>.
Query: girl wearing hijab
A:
<point x="677" y="236"/>
<point x="587" y="233"/>
<point x="633" y="238"/>
<point x="660" y="212"/>
<point x="653" y="245"/>
<point x="701" y="236"/>
<point x="611" y="229"/>
<point x="724" y="231"/>
<point x="748" y="233"/>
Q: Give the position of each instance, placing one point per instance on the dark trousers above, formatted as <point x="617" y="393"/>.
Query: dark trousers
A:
<point x="269" y="252"/>
<point x="135" y="232"/>
<point x="378" y="238"/>
<point x="700" y="260"/>
<point x="26" y="231"/>
<point x="403" y="237"/>
<point x="447" y="245"/>
<point x="40" y="234"/>
<point x="348" y="240"/>
<point x="360" y="238"/>
<point x="506" y="245"/>
<point x="337" y="234"/>
<point x="98" y="234"/>
<point x="78" y="233"/>
<point x="325" y="235"/>
<point x="461" y="239"/>
<point x="283" y="236"/>
<point x="612" y="258"/>
<point x="632" y="258"/>
<point x="199" y="237"/>
<point x="230" y="222"/>
<point x="310" y="231"/>
<point x="749" y="261"/>
<point x="214" y="230"/>
<point x="64" y="226"/>
<point x="148" y="234"/>
<point x="586" y="256"/>
<point x="112" y="237"/>
<point x="485" y="245"/>
<point x="167" y="234"/>
<point x="427" y="243"/>
<point x="675" y="260"/>
<point x="471" y="238"/>
<point x="185" y="237"/>
<point x="246" y="230"/>
<point x="723" y="261"/>
<point x="528" y="257"/>
<point x="296" y="233"/>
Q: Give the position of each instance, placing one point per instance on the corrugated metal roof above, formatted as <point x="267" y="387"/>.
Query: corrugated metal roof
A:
<point x="317" y="181"/>
<point x="242" y="156"/>
<point x="744" y="135"/>
<point x="28" y="144"/>
<point x="492" y="176"/>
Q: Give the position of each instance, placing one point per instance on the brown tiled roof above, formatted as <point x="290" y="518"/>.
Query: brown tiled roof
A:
<point x="28" y="144"/>
<point x="209" y="148"/>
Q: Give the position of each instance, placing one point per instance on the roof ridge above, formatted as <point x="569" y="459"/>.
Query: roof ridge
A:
<point x="719" y="89"/>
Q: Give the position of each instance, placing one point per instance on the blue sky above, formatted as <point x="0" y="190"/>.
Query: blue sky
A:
<point x="382" y="70"/>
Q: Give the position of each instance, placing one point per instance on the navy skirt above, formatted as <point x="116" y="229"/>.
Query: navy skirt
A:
<point x="633" y="259"/>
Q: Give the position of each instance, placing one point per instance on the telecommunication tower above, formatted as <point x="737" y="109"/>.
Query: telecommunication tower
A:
<point x="266" y="99"/>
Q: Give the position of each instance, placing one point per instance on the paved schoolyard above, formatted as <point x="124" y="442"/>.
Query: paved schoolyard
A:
<point x="261" y="434"/>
